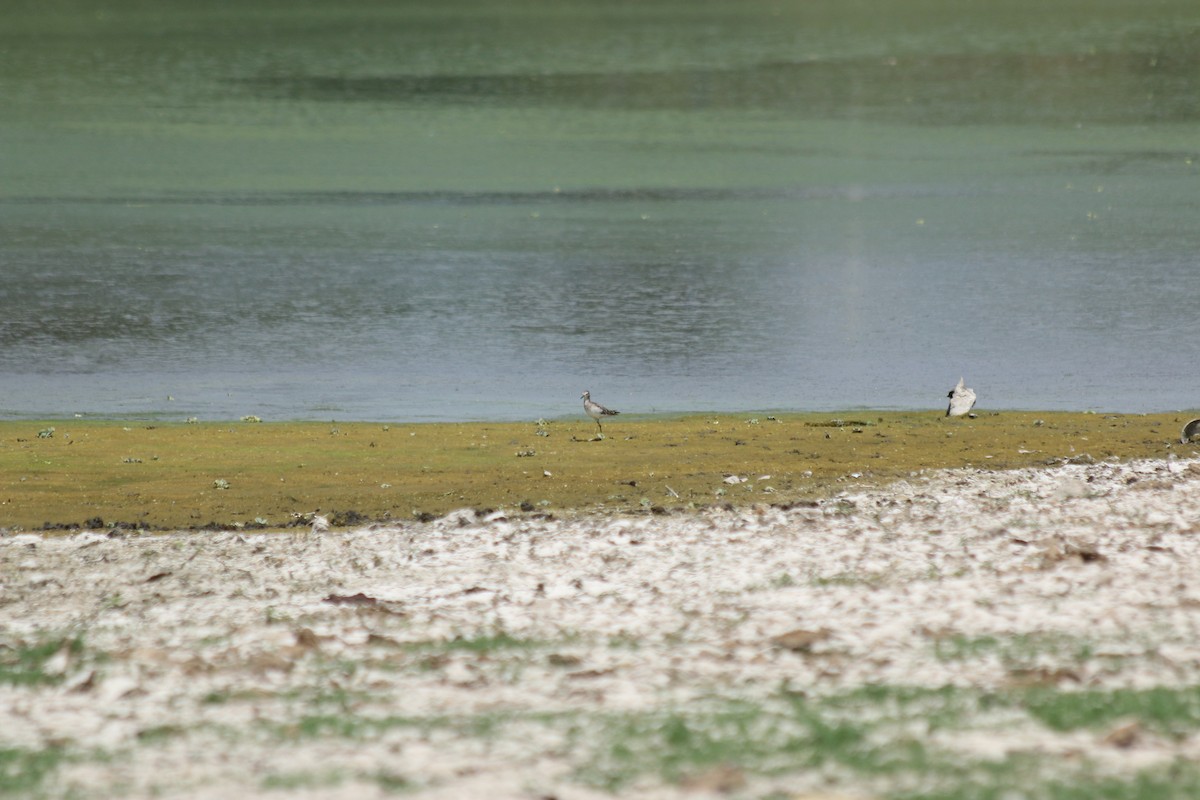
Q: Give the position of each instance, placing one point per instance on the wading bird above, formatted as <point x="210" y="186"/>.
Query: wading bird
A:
<point x="595" y="410"/>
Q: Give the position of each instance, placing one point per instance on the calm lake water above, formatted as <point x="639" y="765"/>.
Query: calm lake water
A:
<point x="476" y="209"/>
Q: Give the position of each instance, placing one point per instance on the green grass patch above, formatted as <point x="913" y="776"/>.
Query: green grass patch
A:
<point x="294" y="781"/>
<point x="350" y="725"/>
<point x="873" y="736"/>
<point x="160" y="733"/>
<point x="785" y="734"/>
<point x="353" y="726"/>
<point x="1017" y="778"/>
<point x="847" y="579"/>
<point x="499" y="651"/>
<point x="26" y="664"/>
<point x="1013" y="650"/>
<point x="1167" y="711"/>
<point x="300" y="781"/>
<point x="23" y="772"/>
<point x="483" y="643"/>
<point x="391" y="783"/>
<point x="943" y="707"/>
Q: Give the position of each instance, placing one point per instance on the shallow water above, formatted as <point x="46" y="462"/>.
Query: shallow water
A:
<point x="476" y="210"/>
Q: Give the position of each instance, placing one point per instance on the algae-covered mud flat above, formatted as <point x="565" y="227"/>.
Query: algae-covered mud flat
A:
<point x="157" y="475"/>
<point x="961" y="634"/>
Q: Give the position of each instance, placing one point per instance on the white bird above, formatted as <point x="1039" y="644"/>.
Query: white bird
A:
<point x="1190" y="431"/>
<point x="595" y="410"/>
<point x="962" y="400"/>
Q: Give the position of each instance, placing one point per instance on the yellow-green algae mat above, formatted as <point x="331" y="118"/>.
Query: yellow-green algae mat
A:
<point x="179" y="476"/>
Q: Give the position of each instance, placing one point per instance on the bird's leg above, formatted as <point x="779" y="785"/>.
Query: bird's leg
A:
<point x="598" y="425"/>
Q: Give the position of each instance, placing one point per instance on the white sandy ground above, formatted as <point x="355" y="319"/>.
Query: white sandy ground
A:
<point x="617" y="614"/>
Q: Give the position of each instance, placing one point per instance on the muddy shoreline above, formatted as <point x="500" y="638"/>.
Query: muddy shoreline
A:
<point x="127" y="476"/>
<point x="1019" y="628"/>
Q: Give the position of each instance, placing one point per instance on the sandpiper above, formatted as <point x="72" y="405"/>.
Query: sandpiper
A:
<point x="1190" y="431"/>
<point x="595" y="410"/>
<point x="962" y="400"/>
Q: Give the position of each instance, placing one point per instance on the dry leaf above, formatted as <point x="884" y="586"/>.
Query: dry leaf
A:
<point x="561" y="660"/>
<point x="590" y="673"/>
<point x="1124" y="736"/>
<point x="723" y="779"/>
<point x="359" y="599"/>
<point x="800" y="640"/>
<point x="307" y="640"/>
